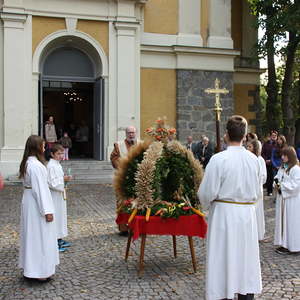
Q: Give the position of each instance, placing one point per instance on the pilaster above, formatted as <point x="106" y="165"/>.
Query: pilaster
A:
<point x="127" y="76"/>
<point x="14" y="87"/>
<point x="220" y="24"/>
<point x="189" y="23"/>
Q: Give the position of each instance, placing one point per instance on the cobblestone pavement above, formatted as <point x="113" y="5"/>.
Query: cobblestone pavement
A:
<point x="94" y="267"/>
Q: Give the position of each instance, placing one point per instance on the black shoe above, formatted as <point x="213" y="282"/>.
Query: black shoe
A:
<point x="295" y="253"/>
<point x="33" y="280"/>
<point x="282" y="250"/>
<point x="123" y="233"/>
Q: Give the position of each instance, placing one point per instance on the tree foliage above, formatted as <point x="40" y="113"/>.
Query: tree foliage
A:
<point x="280" y="21"/>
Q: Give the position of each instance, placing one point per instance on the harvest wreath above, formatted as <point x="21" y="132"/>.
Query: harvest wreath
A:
<point x="159" y="178"/>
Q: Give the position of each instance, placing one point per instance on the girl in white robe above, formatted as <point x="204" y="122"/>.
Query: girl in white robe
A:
<point x="254" y="146"/>
<point x="56" y="181"/>
<point x="287" y="221"/>
<point x="38" y="246"/>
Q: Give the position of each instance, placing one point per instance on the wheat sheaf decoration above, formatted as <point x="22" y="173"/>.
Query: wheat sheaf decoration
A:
<point x="145" y="176"/>
<point x="159" y="178"/>
<point x="124" y="178"/>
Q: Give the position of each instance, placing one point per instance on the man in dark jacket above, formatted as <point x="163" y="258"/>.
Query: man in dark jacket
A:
<point x="266" y="153"/>
<point x="193" y="146"/>
<point x="206" y="151"/>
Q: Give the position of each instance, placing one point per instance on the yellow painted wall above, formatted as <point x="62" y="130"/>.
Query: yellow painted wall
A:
<point x="96" y="29"/>
<point x="237" y="23"/>
<point x="161" y="16"/>
<point x="204" y="20"/>
<point x="242" y="100"/>
<point x="43" y="26"/>
<point x="158" y="97"/>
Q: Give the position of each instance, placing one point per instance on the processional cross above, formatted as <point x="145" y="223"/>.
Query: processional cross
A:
<point x="218" y="108"/>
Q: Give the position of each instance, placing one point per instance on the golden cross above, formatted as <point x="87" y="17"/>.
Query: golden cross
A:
<point x="217" y="91"/>
<point x="218" y="108"/>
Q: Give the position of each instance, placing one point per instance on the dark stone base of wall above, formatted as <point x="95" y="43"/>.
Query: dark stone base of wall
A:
<point x="195" y="114"/>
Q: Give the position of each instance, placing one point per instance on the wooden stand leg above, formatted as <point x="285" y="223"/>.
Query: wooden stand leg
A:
<point x="128" y="244"/>
<point x="193" y="253"/>
<point x="142" y="252"/>
<point x="174" y="246"/>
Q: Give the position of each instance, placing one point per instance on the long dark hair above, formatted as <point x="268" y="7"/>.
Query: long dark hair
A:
<point x="291" y="155"/>
<point x="33" y="147"/>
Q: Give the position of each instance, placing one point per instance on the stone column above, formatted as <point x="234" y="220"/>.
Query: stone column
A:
<point x="220" y="24"/>
<point x="189" y="23"/>
<point x="14" y="87"/>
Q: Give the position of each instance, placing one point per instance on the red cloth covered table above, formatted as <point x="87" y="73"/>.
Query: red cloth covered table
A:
<point x="192" y="225"/>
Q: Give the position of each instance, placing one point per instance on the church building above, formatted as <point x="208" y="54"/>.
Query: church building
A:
<point x="107" y="64"/>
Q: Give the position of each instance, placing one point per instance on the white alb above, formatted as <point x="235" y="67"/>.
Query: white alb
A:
<point x="38" y="241"/>
<point x="233" y="264"/>
<point x="287" y="221"/>
<point x="56" y="185"/>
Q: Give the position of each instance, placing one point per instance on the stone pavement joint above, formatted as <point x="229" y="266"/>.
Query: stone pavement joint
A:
<point x="94" y="267"/>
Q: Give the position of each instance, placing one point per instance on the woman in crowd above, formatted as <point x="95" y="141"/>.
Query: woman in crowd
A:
<point x="254" y="146"/>
<point x="287" y="222"/>
<point x="277" y="152"/>
<point x="266" y="153"/>
<point x="38" y="247"/>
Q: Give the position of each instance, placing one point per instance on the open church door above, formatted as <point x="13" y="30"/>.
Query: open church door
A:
<point x="41" y="118"/>
<point x="98" y="118"/>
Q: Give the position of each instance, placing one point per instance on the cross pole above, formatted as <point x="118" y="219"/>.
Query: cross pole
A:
<point x="218" y="108"/>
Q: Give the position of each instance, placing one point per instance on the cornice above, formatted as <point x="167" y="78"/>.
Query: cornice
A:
<point x="189" y="50"/>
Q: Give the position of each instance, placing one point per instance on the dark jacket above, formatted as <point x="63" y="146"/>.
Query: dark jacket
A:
<point x="66" y="142"/>
<point x="267" y="149"/>
<point x="194" y="147"/>
<point x="205" y="154"/>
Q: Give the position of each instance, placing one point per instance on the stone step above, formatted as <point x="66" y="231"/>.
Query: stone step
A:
<point x="91" y="176"/>
<point x="88" y="165"/>
<point x="84" y="172"/>
<point x="88" y="171"/>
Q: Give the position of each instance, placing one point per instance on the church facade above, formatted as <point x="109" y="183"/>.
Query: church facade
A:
<point x="107" y="64"/>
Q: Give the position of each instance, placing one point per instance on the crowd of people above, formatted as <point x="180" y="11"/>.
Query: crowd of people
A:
<point x="202" y="150"/>
<point x="232" y="191"/>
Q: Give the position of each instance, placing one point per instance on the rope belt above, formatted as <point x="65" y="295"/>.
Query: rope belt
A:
<point x="27" y="187"/>
<point x="234" y="202"/>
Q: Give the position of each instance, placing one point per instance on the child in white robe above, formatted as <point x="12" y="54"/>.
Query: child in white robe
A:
<point x="56" y="181"/>
<point x="287" y="221"/>
<point x="38" y="245"/>
<point x="254" y="146"/>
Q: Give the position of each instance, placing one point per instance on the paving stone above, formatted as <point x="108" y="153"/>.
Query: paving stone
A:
<point x="94" y="266"/>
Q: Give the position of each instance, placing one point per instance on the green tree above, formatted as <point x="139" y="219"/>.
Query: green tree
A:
<point x="280" y="21"/>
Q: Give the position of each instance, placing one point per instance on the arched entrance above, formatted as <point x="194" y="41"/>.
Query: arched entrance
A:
<point x="72" y="91"/>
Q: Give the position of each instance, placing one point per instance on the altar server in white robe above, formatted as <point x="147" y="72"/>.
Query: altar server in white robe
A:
<point x="56" y="181"/>
<point x="38" y="244"/>
<point x="254" y="146"/>
<point x="230" y="189"/>
<point x="287" y="222"/>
